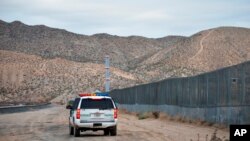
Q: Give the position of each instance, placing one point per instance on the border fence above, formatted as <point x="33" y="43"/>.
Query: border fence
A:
<point x="221" y="96"/>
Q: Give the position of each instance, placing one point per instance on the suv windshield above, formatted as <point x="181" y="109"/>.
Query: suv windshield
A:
<point x="97" y="103"/>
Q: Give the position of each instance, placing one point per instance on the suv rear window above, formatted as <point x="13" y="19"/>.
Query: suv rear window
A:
<point x="103" y="103"/>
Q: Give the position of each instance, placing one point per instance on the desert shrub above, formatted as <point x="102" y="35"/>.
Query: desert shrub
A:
<point x="142" y="116"/>
<point x="156" y="114"/>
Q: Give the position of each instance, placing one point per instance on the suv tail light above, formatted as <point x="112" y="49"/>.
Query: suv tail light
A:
<point x="115" y="113"/>
<point x="78" y="114"/>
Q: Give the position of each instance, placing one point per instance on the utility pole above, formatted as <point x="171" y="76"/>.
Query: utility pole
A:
<point x="107" y="75"/>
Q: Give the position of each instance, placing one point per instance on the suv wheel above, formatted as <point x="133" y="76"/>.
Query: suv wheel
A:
<point x="106" y="132"/>
<point x="71" y="130"/>
<point x="77" y="132"/>
<point x="113" y="131"/>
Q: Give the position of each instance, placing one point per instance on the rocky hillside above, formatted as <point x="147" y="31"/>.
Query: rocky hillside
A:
<point x="50" y="43"/>
<point x="29" y="78"/>
<point x="202" y="52"/>
<point x="41" y="63"/>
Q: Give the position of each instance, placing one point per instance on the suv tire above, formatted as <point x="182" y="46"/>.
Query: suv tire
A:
<point x="113" y="131"/>
<point x="77" y="132"/>
<point x="71" y="130"/>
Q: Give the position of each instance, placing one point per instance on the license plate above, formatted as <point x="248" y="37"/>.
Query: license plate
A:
<point x="97" y="124"/>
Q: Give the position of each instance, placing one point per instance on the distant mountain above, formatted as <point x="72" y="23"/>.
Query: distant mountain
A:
<point x="50" y="43"/>
<point x="140" y="59"/>
<point x="202" y="52"/>
<point x="226" y="45"/>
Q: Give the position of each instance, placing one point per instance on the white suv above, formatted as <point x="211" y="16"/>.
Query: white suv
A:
<point x="94" y="113"/>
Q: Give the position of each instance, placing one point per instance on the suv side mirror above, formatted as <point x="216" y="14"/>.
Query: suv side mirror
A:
<point x="68" y="107"/>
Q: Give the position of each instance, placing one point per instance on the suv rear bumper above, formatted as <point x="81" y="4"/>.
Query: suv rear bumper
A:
<point x="94" y="125"/>
<point x="95" y="129"/>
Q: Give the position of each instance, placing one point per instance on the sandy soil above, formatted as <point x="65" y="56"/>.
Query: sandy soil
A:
<point x="52" y="124"/>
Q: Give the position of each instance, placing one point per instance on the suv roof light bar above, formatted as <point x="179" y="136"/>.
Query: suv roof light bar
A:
<point x="94" y="94"/>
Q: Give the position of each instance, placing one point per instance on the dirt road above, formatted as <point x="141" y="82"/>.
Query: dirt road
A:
<point x="201" y="45"/>
<point x="51" y="124"/>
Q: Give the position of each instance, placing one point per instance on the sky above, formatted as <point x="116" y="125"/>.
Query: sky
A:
<point x="149" y="18"/>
